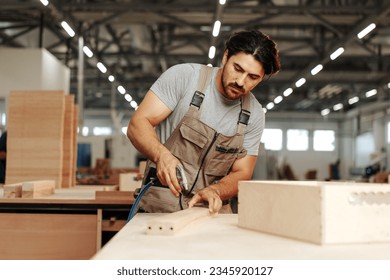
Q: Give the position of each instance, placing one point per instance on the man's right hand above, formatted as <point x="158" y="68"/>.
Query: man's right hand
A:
<point x="166" y="172"/>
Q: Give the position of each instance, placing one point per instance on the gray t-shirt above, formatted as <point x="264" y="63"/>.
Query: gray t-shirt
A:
<point x="176" y="86"/>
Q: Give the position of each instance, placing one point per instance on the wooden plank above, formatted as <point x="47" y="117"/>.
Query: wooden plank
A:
<point x="12" y="190"/>
<point x="32" y="189"/>
<point x="47" y="236"/>
<point x="67" y="176"/>
<point x="35" y="131"/>
<point x="173" y="223"/>
<point x="75" y="126"/>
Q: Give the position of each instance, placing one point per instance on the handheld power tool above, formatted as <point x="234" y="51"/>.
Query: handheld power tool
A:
<point x="152" y="180"/>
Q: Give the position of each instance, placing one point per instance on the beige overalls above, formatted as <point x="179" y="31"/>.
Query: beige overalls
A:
<point x="206" y="155"/>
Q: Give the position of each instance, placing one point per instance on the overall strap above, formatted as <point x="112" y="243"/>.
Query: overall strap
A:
<point x="245" y="114"/>
<point x="206" y="73"/>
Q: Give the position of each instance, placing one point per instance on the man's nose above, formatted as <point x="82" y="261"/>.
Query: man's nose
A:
<point x="241" y="80"/>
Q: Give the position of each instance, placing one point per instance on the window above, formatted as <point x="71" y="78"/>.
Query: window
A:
<point x="272" y="139"/>
<point x="297" y="139"/>
<point x="102" y="130"/>
<point x="324" y="140"/>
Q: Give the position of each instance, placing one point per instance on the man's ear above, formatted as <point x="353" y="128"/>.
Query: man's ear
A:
<point x="224" y="58"/>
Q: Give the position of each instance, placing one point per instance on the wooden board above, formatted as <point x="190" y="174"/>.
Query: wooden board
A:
<point x="12" y="190"/>
<point x="48" y="236"/>
<point x="68" y="150"/>
<point x="173" y="223"/>
<point x="32" y="189"/>
<point x="35" y="136"/>
<point x="74" y="142"/>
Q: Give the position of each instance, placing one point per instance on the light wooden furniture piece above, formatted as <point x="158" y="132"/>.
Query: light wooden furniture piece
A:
<point x="71" y="224"/>
<point x="220" y="238"/>
<point x="41" y="139"/>
<point x="317" y="211"/>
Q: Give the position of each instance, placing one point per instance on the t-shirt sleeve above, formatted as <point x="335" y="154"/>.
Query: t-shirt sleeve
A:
<point x="171" y="86"/>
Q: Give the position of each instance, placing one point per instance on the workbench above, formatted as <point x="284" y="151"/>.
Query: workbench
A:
<point x="219" y="238"/>
<point x="70" y="224"/>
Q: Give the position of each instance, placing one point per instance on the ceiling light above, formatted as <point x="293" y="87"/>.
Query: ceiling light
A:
<point x="45" y="2"/>
<point x="101" y="67"/>
<point x="270" y="105"/>
<point x="353" y="100"/>
<point x="211" y="52"/>
<point x="325" y="112"/>
<point x="222" y="2"/>
<point x="336" y="53"/>
<point x="388" y="85"/>
<point x="87" y="51"/>
<point x="111" y="78"/>
<point x="316" y="69"/>
<point x="68" y="29"/>
<point x="121" y="89"/>
<point x="366" y="30"/>
<point x="338" y="106"/>
<point x="287" y="92"/>
<point x="371" y="93"/>
<point x="300" y="82"/>
<point x="217" y="27"/>
<point x="128" y="97"/>
<point x="278" y="99"/>
<point x="265" y="110"/>
<point x="133" y="104"/>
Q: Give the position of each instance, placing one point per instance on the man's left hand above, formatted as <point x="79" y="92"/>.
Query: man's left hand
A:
<point x="211" y="196"/>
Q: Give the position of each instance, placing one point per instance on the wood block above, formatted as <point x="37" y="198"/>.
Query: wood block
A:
<point x="173" y="223"/>
<point x="41" y="188"/>
<point x="12" y="190"/>
<point x="317" y="212"/>
<point x="128" y="181"/>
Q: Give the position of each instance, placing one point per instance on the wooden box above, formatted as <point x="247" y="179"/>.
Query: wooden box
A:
<point x="317" y="212"/>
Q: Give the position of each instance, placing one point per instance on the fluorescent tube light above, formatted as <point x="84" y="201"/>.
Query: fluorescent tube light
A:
<point x="316" y="69"/>
<point x="45" y="2"/>
<point x="336" y="53"/>
<point x="371" y="93"/>
<point x="128" y="97"/>
<point x="111" y="78"/>
<point x="287" y="92"/>
<point x="133" y="104"/>
<point x="325" y="112"/>
<point x="121" y="89"/>
<point x="68" y="29"/>
<point x="211" y="52"/>
<point x="87" y="51"/>
<point x="216" y="28"/>
<point x="353" y="100"/>
<point x="300" y="82"/>
<point x="222" y="2"/>
<point x="278" y="99"/>
<point x="270" y="105"/>
<point x="338" y="106"/>
<point x="101" y="67"/>
<point x="366" y="30"/>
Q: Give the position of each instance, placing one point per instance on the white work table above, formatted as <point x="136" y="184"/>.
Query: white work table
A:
<point x="220" y="238"/>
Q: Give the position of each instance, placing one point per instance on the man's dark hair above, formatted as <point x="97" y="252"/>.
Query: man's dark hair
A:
<point x="257" y="44"/>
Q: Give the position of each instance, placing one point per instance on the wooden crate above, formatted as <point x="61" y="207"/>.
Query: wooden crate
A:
<point x="317" y="212"/>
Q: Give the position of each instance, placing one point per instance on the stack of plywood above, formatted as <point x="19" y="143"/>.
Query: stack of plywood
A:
<point x="41" y="137"/>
